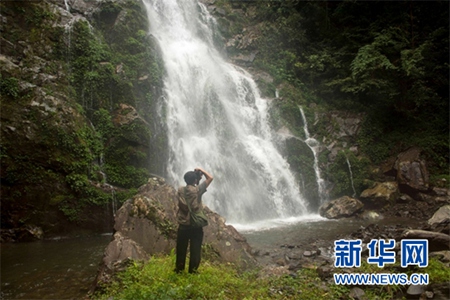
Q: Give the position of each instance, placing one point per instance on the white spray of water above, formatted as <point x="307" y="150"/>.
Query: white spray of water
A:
<point x="314" y="145"/>
<point x="351" y="176"/>
<point x="66" y="2"/>
<point x="217" y="120"/>
<point x="107" y="186"/>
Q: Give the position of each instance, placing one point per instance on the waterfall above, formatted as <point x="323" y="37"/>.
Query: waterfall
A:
<point x="217" y="120"/>
<point x="314" y="145"/>
<point x="351" y="176"/>
<point x="107" y="186"/>
<point x="67" y="5"/>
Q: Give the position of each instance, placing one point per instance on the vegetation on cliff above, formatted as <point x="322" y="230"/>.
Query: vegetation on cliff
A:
<point x="388" y="60"/>
<point x="78" y="112"/>
<point x="385" y="60"/>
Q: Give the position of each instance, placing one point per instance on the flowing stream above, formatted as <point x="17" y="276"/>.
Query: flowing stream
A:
<point x="217" y="120"/>
<point x="314" y="145"/>
<point x="351" y="176"/>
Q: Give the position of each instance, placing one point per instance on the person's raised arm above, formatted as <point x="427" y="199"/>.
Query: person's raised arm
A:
<point x="208" y="176"/>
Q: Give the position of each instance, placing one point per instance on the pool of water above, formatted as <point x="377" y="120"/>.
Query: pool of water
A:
<point x="309" y="229"/>
<point x="51" y="269"/>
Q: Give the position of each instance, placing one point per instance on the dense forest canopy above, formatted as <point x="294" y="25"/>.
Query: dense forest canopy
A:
<point x="389" y="59"/>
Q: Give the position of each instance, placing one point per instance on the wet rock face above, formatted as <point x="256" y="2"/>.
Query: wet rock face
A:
<point x="412" y="173"/>
<point x="380" y="195"/>
<point x="146" y="225"/>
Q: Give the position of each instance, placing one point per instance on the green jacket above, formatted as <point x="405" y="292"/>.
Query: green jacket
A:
<point x="193" y="194"/>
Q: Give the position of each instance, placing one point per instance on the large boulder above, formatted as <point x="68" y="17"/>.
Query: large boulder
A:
<point x="380" y="195"/>
<point x="341" y="208"/>
<point x="436" y="241"/>
<point x="440" y="216"/>
<point x="440" y="221"/>
<point x="146" y="225"/>
<point x="412" y="173"/>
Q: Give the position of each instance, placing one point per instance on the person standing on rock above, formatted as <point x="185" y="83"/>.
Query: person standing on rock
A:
<point x="190" y="198"/>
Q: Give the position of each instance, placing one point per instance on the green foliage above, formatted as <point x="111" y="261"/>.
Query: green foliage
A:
<point x="96" y="66"/>
<point x="92" y="75"/>
<point x="349" y="174"/>
<point x="437" y="270"/>
<point x="77" y="182"/>
<point x="387" y="59"/>
<point x="120" y="174"/>
<point x="9" y="87"/>
<point x="123" y="195"/>
<point x="104" y="125"/>
<point x="106" y="73"/>
<point x="38" y="16"/>
<point x="72" y="212"/>
<point x="156" y="279"/>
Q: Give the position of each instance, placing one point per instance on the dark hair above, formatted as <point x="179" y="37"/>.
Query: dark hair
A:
<point x="190" y="177"/>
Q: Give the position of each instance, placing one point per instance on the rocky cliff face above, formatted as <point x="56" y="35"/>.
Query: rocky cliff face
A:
<point x="79" y="83"/>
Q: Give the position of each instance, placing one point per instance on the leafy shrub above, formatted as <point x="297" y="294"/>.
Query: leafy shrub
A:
<point x="9" y="86"/>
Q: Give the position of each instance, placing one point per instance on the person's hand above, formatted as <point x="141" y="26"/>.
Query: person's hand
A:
<point x="208" y="176"/>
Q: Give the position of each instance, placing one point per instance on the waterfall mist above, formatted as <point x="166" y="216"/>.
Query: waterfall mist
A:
<point x="217" y="120"/>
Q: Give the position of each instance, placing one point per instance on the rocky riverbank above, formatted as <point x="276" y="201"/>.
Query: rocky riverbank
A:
<point x="429" y="222"/>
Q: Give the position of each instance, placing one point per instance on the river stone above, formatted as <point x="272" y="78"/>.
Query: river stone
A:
<point x="416" y="290"/>
<point x="440" y="216"/>
<point x="371" y="215"/>
<point x="122" y="248"/>
<point x="429" y="294"/>
<point x="380" y="195"/>
<point x="340" y="208"/>
<point x="357" y="294"/>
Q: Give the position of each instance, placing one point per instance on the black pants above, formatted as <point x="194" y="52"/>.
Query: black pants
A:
<point x="185" y="235"/>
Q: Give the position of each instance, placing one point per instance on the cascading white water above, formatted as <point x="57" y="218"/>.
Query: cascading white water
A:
<point x="107" y="186"/>
<point x="67" y="5"/>
<point x="351" y="176"/>
<point x="216" y="120"/>
<point x="314" y="145"/>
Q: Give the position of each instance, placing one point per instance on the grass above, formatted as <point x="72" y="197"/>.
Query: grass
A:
<point x="156" y="279"/>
